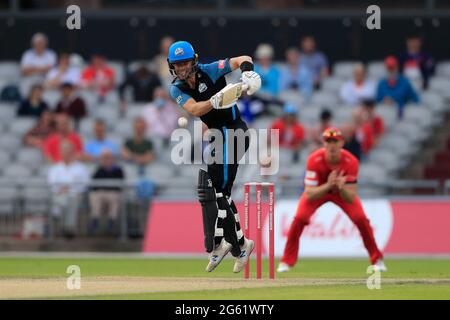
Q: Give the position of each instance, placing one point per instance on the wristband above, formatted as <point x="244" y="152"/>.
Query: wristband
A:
<point x="246" y="66"/>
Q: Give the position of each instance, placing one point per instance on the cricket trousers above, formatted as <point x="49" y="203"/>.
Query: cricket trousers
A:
<point x="223" y="173"/>
<point x="306" y="209"/>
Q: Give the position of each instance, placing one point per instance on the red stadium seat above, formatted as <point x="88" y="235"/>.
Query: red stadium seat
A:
<point x="437" y="172"/>
<point x="442" y="157"/>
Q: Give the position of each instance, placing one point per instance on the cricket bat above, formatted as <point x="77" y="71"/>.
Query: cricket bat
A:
<point x="231" y="93"/>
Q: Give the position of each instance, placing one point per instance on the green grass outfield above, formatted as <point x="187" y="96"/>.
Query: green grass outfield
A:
<point x="310" y="279"/>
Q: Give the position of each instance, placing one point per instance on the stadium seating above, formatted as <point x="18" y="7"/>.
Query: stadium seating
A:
<point x="396" y="148"/>
<point x="343" y="69"/>
<point x="443" y="69"/>
<point x="376" y="70"/>
<point x="10" y="72"/>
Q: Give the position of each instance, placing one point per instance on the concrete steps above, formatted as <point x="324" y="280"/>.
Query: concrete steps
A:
<point x="437" y="143"/>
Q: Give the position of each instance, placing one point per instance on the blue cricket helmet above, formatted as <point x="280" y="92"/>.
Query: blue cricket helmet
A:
<point x="181" y="51"/>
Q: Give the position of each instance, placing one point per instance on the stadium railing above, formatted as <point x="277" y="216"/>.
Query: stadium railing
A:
<point x="133" y="208"/>
<point x="447" y="187"/>
<point x="34" y="199"/>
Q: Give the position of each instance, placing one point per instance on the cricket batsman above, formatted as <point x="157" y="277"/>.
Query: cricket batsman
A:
<point x="331" y="175"/>
<point x="201" y="89"/>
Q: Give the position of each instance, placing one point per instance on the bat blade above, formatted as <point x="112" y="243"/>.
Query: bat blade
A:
<point x="231" y="93"/>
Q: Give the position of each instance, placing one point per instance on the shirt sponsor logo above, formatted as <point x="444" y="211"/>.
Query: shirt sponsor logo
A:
<point x="311" y="174"/>
<point x="179" y="99"/>
<point x="311" y="183"/>
<point x="221" y="64"/>
<point x="202" y="87"/>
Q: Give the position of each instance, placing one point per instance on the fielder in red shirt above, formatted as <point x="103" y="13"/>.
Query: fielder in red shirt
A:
<point x="331" y="175"/>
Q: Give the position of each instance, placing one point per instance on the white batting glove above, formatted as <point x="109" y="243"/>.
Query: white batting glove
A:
<point x="253" y="80"/>
<point x="216" y="100"/>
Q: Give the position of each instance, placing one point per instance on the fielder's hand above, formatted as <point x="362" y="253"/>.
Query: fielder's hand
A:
<point x="340" y="180"/>
<point x="253" y="80"/>
<point x="332" y="178"/>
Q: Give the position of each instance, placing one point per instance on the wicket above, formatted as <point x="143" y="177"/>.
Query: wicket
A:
<point x="271" y="198"/>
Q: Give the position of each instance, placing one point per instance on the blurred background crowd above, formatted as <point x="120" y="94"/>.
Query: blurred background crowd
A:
<point x="68" y="120"/>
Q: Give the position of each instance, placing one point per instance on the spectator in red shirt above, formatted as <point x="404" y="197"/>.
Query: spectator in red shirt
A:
<point x="377" y="122"/>
<point x="70" y="103"/>
<point x="64" y="132"/>
<point x="98" y="76"/>
<point x="37" y="135"/>
<point x="291" y="132"/>
<point x="364" y="131"/>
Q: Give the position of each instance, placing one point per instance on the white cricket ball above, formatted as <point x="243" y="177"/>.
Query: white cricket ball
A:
<point x="182" y="122"/>
<point x="265" y="162"/>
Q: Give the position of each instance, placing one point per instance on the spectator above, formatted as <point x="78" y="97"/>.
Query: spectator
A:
<point x="291" y="132"/>
<point x="143" y="82"/>
<point x="71" y="104"/>
<point x="314" y="60"/>
<point x="109" y="196"/>
<point x="161" y="116"/>
<point x="38" y="60"/>
<point x="296" y="76"/>
<point x="64" y="132"/>
<point x="93" y="148"/>
<point x="33" y="106"/>
<point x="377" y="122"/>
<point x="62" y="73"/>
<point x="355" y="91"/>
<point x="251" y="107"/>
<point x="160" y="61"/>
<point x="36" y="136"/>
<point x="270" y="75"/>
<point x="10" y="93"/>
<point x="98" y="76"/>
<point x="416" y="64"/>
<point x="138" y="150"/>
<point x="395" y="89"/>
<point x="364" y="131"/>
<point x="68" y="180"/>
<point x="351" y="142"/>
<point x="316" y="132"/>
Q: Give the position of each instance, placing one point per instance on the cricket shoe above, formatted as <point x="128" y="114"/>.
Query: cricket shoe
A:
<point x="283" y="267"/>
<point x="246" y="251"/>
<point x="216" y="256"/>
<point x="379" y="266"/>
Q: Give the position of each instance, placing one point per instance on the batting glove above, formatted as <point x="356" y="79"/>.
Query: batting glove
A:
<point x="253" y="80"/>
<point x="216" y="100"/>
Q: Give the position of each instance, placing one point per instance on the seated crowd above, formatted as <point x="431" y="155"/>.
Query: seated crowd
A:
<point x="69" y="152"/>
